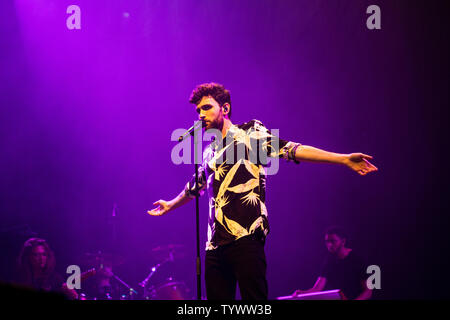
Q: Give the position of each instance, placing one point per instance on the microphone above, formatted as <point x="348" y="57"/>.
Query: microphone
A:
<point x="197" y="125"/>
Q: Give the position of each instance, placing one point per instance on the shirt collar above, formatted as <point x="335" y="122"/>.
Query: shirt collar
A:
<point x="232" y="130"/>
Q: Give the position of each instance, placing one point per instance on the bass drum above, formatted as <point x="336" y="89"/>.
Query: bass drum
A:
<point x="171" y="290"/>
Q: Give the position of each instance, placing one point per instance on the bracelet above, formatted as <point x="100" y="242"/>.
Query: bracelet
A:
<point x="293" y="152"/>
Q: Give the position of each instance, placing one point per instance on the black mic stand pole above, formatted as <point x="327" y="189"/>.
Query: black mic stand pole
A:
<point x="193" y="131"/>
<point x="197" y="221"/>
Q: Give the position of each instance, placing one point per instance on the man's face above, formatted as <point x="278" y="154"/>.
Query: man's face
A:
<point x="334" y="243"/>
<point x="210" y="112"/>
<point x="39" y="257"/>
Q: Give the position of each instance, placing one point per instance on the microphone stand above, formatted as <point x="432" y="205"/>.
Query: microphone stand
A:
<point x="197" y="223"/>
<point x="132" y="292"/>
<point x="197" y="210"/>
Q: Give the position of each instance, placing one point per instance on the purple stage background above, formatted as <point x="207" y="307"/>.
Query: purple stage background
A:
<point x="87" y="115"/>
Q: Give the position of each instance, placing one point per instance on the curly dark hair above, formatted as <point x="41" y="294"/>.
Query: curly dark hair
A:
<point x="25" y="273"/>
<point x="215" y="90"/>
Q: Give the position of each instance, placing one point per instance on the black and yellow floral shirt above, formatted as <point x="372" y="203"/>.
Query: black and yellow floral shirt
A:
<point x="234" y="173"/>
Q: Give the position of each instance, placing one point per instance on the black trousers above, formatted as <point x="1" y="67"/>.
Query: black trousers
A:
<point x="244" y="262"/>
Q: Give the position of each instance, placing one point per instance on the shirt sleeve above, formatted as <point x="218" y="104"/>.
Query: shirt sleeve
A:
<point x="272" y="146"/>
<point x="190" y="189"/>
<point x="361" y="267"/>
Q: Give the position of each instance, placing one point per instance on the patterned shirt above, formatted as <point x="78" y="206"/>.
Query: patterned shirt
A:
<point x="234" y="173"/>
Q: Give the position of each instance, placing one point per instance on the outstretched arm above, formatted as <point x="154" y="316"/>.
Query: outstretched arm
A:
<point x="166" y="206"/>
<point x="366" y="293"/>
<point x="318" y="286"/>
<point x="358" y="162"/>
<point x="184" y="197"/>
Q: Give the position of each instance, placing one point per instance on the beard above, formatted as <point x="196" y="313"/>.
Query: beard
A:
<point x="215" y="124"/>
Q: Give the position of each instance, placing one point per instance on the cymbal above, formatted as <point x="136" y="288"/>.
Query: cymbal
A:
<point x="170" y="251"/>
<point x="99" y="257"/>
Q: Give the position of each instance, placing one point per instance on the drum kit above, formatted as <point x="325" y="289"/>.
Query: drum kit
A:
<point x="108" y="286"/>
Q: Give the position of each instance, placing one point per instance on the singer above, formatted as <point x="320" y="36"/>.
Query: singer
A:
<point x="238" y="224"/>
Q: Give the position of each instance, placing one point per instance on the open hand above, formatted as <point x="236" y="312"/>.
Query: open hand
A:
<point x="163" y="208"/>
<point x="298" y="292"/>
<point x="359" y="162"/>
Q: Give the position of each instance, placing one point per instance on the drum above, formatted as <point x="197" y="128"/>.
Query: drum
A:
<point x="172" y="290"/>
